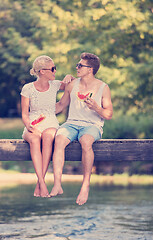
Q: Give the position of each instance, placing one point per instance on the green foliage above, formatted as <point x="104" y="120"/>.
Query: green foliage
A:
<point x="129" y="127"/>
<point x="11" y="134"/>
<point x="119" y="32"/>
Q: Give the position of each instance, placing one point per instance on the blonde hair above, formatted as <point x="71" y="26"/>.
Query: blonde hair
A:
<point x="38" y="64"/>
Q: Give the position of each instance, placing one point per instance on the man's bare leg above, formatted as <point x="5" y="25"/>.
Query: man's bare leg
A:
<point x="86" y="142"/>
<point x="58" y="163"/>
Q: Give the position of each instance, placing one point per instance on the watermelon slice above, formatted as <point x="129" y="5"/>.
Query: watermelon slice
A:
<point x="38" y="120"/>
<point x="82" y="97"/>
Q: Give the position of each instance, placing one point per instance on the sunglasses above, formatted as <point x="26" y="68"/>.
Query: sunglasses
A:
<point x="79" y="65"/>
<point x="52" y="69"/>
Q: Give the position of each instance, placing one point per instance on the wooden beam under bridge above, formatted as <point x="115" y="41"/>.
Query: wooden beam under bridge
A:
<point x="104" y="150"/>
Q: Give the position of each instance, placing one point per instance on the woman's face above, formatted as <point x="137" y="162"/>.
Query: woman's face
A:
<point x="49" y="71"/>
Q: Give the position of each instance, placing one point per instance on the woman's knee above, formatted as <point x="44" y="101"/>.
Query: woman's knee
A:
<point x="33" y="140"/>
<point x="48" y="135"/>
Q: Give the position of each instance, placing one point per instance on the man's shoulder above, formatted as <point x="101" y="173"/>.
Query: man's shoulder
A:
<point x="100" y="83"/>
<point x="71" y="84"/>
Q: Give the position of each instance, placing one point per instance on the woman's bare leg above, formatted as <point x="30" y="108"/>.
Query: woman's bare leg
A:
<point x="58" y="162"/>
<point x="34" y="141"/>
<point x="48" y="136"/>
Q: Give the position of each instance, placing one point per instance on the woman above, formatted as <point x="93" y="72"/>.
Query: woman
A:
<point x="37" y="98"/>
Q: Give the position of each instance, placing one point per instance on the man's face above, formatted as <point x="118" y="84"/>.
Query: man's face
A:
<point x="83" y="68"/>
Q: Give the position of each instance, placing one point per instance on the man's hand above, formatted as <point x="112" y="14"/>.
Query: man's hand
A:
<point x="106" y="109"/>
<point x="91" y="103"/>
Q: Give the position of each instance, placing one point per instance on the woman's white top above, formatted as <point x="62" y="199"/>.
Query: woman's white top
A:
<point x="42" y="103"/>
<point x="80" y="114"/>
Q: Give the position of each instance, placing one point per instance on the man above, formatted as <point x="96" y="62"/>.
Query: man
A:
<point x="85" y="120"/>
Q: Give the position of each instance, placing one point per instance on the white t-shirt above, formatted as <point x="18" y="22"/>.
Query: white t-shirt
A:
<point x="42" y="103"/>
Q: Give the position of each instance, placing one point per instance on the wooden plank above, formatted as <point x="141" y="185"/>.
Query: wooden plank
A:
<point x="14" y="150"/>
<point x="104" y="150"/>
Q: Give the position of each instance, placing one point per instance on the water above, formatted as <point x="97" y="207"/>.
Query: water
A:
<point x="111" y="213"/>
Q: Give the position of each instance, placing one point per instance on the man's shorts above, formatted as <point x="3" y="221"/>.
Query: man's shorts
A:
<point x="74" y="132"/>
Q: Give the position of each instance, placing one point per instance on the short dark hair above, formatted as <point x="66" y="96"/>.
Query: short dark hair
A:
<point x="92" y="60"/>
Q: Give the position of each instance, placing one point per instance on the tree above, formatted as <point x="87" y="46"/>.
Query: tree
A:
<point x="119" y="32"/>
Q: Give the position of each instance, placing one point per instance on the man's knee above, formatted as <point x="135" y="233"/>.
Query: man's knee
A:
<point x="86" y="143"/>
<point x="61" y="141"/>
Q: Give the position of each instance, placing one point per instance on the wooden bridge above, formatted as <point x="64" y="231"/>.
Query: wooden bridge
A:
<point x="104" y="150"/>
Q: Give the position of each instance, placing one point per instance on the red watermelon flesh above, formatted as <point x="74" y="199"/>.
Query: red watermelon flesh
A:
<point x="38" y="120"/>
<point x="81" y="96"/>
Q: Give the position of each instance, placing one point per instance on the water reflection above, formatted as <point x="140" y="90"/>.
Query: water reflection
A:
<point x="110" y="213"/>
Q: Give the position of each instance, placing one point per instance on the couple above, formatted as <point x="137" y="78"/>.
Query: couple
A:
<point x="85" y="120"/>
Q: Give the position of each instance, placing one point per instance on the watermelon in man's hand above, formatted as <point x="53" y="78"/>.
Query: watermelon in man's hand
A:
<point x="82" y="97"/>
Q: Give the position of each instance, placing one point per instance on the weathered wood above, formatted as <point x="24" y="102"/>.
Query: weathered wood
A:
<point x="104" y="150"/>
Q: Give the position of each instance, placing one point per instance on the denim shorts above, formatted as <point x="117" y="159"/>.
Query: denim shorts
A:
<point x="74" y="132"/>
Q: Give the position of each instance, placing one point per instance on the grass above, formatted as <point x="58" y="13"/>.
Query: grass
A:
<point x="11" y="178"/>
<point x="122" y="179"/>
<point x="11" y="128"/>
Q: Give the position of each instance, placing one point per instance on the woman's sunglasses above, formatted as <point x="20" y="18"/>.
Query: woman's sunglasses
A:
<point x="79" y="65"/>
<point x="51" y="69"/>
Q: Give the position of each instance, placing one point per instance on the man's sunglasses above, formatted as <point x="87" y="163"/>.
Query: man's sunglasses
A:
<point x="79" y="65"/>
<point x="51" y="69"/>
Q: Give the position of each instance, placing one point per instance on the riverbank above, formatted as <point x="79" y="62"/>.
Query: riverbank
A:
<point x="12" y="178"/>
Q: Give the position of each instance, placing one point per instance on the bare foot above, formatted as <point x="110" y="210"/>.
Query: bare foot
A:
<point x="43" y="190"/>
<point x="83" y="196"/>
<point x="37" y="191"/>
<point x="56" y="190"/>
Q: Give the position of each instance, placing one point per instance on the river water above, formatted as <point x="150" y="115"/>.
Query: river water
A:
<point x="111" y="213"/>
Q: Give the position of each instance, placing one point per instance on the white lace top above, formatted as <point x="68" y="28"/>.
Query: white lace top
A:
<point x="42" y="103"/>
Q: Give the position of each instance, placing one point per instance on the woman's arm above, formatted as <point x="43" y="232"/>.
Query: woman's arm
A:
<point x="68" y="78"/>
<point x="25" y="113"/>
<point x="65" y="100"/>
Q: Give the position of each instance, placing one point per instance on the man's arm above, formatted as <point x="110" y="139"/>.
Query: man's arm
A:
<point x="106" y="109"/>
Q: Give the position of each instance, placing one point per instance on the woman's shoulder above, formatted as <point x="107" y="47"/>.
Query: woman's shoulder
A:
<point x="28" y="85"/>
<point x="55" y="82"/>
<point x="26" y="89"/>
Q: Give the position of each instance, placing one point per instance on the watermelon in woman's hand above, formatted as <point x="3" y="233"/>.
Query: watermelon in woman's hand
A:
<point x="38" y="120"/>
<point x="82" y="97"/>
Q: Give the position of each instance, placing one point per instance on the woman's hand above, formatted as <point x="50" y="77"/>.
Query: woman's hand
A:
<point x="30" y="128"/>
<point x="68" y="78"/>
